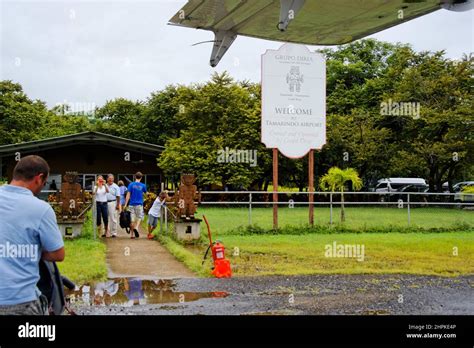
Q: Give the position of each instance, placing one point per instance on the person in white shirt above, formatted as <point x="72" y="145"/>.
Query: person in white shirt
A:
<point x="155" y="213"/>
<point x="100" y="191"/>
<point x="113" y="204"/>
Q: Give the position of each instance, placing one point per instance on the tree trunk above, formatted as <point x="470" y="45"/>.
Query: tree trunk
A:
<point x="431" y="178"/>
<point x="265" y="186"/>
<point x="451" y="172"/>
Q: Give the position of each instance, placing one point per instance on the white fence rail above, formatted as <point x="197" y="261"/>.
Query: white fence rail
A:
<point x="332" y="200"/>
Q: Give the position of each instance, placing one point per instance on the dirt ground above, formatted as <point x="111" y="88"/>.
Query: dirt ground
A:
<point x="307" y="295"/>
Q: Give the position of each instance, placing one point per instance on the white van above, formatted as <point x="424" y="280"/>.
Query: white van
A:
<point x="398" y="184"/>
<point x="395" y="187"/>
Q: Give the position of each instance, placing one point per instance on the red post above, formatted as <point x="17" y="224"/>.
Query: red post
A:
<point x="311" y="186"/>
<point x="275" y="189"/>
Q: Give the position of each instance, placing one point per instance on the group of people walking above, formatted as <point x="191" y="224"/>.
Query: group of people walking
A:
<point x="112" y="199"/>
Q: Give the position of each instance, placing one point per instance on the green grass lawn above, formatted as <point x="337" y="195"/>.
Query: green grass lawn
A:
<point x="228" y="220"/>
<point x="85" y="257"/>
<point x="296" y="249"/>
<point x="385" y="253"/>
<point x="415" y="253"/>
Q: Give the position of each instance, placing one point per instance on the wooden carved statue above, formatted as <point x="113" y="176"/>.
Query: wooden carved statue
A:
<point x="71" y="196"/>
<point x="186" y="196"/>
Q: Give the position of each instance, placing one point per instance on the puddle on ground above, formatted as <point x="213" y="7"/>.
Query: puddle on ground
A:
<point x="133" y="291"/>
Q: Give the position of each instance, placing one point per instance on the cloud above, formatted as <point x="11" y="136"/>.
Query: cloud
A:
<point x="90" y="52"/>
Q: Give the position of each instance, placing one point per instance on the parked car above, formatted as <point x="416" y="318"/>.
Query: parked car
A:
<point x="458" y="186"/>
<point x="394" y="186"/>
<point x="465" y="195"/>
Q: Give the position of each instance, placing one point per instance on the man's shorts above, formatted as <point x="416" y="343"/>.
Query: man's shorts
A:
<point x="36" y="307"/>
<point x="152" y="220"/>
<point x="136" y="212"/>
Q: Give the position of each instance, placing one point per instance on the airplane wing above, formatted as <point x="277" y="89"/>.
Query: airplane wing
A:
<point x="312" y="22"/>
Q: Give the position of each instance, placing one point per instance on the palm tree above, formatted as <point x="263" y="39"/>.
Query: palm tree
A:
<point x="336" y="179"/>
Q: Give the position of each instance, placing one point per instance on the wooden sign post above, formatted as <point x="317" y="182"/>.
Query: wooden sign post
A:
<point x="275" y="189"/>
<point x="311" y="186"/>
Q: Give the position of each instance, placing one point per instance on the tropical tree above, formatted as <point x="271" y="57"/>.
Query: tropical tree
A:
<point x="122" y="117"/>
<point x="222" y="114"/>
<point x="21" y="119"/>
<point x="336" y="180"/>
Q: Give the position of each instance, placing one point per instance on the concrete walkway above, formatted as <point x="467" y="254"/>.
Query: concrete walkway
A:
<point x="142" y="258"/>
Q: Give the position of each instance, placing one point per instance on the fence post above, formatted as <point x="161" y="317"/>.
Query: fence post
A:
<point x="161" y="219"/>
<point x="330" y="208"/>
<point x="408" y="208"/>
<point x="94" y="216"/>
<point x="166" y="219"/>
<point x="250" y="209"/>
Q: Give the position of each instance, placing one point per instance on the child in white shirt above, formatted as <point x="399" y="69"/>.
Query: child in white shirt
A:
<point x="155" y="213"/>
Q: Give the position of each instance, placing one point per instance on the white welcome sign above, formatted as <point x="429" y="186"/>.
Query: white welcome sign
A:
<point x="293" y="100"/>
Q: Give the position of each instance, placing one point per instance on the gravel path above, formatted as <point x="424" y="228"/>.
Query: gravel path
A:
<point x="142" y="258"/>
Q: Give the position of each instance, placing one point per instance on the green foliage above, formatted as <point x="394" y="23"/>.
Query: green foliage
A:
<point x="23" y="119"/>
<point x="197" y="120"/>
<point x="336" y="229"/>
<point x="436" y="144"/>
<point x="122" y="117"/>
<point x="336" y="180"/>
<point x="222" y="114"/>
<point x="191" y="260"/>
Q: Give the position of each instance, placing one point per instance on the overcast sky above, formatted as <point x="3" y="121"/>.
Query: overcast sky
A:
<point x="87" y="52"/>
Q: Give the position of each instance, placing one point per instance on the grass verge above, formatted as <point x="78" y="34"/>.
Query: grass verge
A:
<point x="441" y="254"/>
<point x="185" y="255"/>
<point x="85" y="259"/>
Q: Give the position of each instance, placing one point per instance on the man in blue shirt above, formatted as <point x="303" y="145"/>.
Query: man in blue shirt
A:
<point x="28" y="232"/>
<point x="134" y="199"/>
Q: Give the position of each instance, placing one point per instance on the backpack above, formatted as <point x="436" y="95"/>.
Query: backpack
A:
<point x="51" y="284"/>
<point x="125" y="220"/>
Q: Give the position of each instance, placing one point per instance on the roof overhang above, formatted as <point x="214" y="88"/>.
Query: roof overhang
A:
<point x="86" y="138"/>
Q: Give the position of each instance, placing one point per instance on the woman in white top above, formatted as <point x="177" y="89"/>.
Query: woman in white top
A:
<point x="100" y="192"/>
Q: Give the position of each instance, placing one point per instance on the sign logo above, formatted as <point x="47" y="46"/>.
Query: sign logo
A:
<point x="294" y="79"/>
